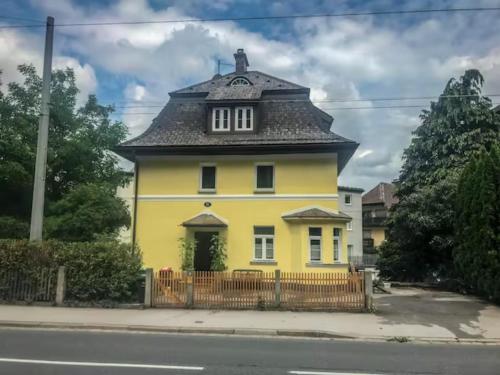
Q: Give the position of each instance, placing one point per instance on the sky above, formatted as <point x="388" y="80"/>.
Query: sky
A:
<point x="346" y="58"/>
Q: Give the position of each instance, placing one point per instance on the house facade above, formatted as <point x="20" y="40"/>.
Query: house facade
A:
<point x="376" y="205"/>
<point x="247" y="158"/>
<point x="350" y="204"/>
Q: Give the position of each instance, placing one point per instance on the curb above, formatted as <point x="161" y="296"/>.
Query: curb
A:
<point x="241" y="332"/>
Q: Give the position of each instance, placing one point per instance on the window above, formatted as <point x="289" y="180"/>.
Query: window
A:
<point x="315" y="244"/>
<point x="348" y="199"/>
<point x="220" y="119"/>
<point x="337" y="244"/>
<point x="264" y="177"/>
<point x="350" y="250"/>
<point x="243" y="118"/>
<point x="349" y="225"/>
<point x="207" y="178"/>
<point x="240" y="81"/>
<point x="263" y="243"/>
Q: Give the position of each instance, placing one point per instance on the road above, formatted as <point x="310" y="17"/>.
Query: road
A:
<point x="55" y="352"/>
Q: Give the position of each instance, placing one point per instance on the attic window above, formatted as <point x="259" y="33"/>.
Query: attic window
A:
<point x="240" y="81"/>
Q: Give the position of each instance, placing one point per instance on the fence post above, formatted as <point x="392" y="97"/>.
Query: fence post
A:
<point x="148" y="288"/>
<point x="368" y="276"/>
<point x="61" y="285"/>
<point x="277" y="288"/>
<point x="189" y="290"/>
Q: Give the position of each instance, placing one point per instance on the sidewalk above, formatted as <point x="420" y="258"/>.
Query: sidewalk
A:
<point x="388" y="323"/>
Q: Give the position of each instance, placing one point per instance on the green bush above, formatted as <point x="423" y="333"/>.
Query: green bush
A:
<point x="95" y="271"/>
<point x="10" y="227"/>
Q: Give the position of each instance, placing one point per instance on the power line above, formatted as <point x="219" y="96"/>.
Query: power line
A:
<point x="263" y="18"/>
<point x="402" y="98"/>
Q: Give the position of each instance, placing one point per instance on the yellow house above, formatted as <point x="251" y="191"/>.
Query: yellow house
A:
<point x="246" y="157"/>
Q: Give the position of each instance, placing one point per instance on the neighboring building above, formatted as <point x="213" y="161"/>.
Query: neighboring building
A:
<point x="350" y="203"/>
<point x="248" y="157"/>
<point x="376" y="205"/>
<point x="127" y="194"/>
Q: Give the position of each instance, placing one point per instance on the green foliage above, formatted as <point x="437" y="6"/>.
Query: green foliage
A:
<point x="95" y="271"/>
<point x="13" y="228"/>
<point x="477" y="254"/>
<point x="187" y="247"/>
<point x="78" y="149"/>
<point x="218" y="252"/>
<point x="85" y="211"/>
<point x="421" y="231"/>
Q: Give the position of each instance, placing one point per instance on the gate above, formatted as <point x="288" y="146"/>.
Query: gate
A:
<point x="32" y="286"/>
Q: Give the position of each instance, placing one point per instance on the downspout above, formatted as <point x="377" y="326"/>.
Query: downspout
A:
<point x="136" y="189"/>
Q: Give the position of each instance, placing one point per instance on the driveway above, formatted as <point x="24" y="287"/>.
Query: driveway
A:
<point x="463" y="316"/>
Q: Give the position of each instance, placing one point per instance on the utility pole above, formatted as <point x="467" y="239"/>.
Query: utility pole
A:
<point x="43" y="135"/>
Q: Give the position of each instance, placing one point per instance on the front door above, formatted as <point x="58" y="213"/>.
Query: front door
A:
<point x="202" y="255"/>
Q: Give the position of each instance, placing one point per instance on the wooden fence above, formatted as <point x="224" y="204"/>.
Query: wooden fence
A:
<point x="259" y="290"/>
<point x="35" y="286"/>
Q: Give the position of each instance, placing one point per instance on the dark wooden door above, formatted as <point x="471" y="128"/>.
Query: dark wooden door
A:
<point x="202" y="255"/>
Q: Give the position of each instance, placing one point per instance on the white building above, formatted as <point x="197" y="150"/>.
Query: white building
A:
<point x="350" y="203"/>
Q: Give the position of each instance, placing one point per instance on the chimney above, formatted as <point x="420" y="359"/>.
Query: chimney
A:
<point x="241" y="61"/>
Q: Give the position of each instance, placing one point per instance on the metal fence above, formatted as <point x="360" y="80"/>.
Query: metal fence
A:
<point x="33" y="286"/>
<point x="258" y="290"/>
<point x="365" y="260"/>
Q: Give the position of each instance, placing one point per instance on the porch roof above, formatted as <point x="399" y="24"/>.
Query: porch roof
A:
<point x="205" y="219"/>
<point x="316" y="213"/>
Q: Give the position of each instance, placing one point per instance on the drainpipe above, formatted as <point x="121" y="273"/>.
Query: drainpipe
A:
<point x="136" y="189"/>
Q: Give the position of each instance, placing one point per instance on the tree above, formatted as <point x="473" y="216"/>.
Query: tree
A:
<point x="421" y="230"/>
<point x="477" y="220"/>
<point x="86" y="212"/>
<point x="78" y="149"/>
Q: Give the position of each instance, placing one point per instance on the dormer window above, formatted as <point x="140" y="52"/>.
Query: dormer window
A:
<point x="220" y="119"/>
<point x="243" y="118"/>
<point x="240" y="81"/>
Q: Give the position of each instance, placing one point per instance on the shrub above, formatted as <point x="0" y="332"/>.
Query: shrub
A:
<point x="10" y="227"/>
<point x="187" y="248"/>
<point x="95" y="271"/>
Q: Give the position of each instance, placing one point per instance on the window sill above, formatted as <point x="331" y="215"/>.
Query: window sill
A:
<point x="263" y="261"/>
<point x="263" y="191"/>
<point x="326" y="265"/>
<point x="207" y="191"/>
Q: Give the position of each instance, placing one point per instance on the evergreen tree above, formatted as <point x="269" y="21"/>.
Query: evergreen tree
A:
<point x="477" y="252"/>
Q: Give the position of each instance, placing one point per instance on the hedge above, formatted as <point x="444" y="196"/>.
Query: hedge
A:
<point x="95" y="271"/>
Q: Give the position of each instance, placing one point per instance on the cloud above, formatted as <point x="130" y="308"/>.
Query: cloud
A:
<point x="346" y="58"/>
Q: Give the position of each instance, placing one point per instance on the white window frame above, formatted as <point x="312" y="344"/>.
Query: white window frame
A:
<point x="350" y="199"/>
<point x="243" y="118"/>
<point x="264" y="238"/>
<point x="264" y="190"/>
<point x="339" y="244"/>
<point x="238" y="81"/>
<point x="201" y="189"/>
<point x="348" y="226"/>
<point x="320" y="245"/>
<point x="221" y="110"/>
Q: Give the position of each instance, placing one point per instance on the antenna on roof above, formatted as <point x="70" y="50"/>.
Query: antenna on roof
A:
<point x="219" y="63"/>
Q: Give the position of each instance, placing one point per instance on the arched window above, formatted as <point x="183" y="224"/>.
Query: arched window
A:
<point x="240" y="81"/>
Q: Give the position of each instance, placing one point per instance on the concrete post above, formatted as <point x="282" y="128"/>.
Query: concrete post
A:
<point x="61" y="285"/>
<point x="277" y="288"/>
<point x="148" y="288"/>
<point x="368" y="276"/>
<point x="189" y="290"/>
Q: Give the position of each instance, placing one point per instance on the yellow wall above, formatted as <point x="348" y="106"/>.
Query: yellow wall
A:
<point x="378" y="236"/>
<point x="168" y="196"/>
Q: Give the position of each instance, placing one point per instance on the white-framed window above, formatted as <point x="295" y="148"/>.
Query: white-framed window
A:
<point x="315" y="244"/>
<point x="263" y="243"/>
<point x="208" y="174"/>
<point x="240" y="81"/>
<point x="264" y="177"/>
<point x="350" y="250"/>
<point x="220" y="119"/>
<point x="243" y="118"/>
<point x="337" y="244"/>
<point x="349" y="226"/>
<point x="348" y="199"/>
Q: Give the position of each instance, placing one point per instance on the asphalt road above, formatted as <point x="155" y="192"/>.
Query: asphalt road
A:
<point x="31" y="351"/>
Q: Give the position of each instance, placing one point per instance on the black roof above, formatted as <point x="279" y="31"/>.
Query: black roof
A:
<point x="350" y="188"/>
<point x="288" y="122"/>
